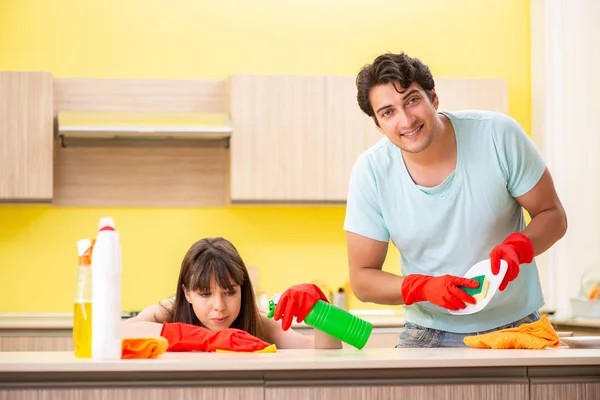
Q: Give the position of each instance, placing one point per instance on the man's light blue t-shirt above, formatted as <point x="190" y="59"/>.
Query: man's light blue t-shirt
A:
<point x="449" y="228"/>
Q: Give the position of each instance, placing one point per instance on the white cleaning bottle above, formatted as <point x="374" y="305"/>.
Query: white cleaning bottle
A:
<point x="106" y="292"/>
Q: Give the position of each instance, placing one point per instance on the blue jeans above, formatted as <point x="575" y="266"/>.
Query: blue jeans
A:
<point x="417" y="336"/>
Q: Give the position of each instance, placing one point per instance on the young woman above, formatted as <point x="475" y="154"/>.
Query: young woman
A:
<point x="214" y="292"/>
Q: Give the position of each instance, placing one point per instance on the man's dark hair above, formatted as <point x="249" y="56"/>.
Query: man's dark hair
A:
<point x="390" y="68"/>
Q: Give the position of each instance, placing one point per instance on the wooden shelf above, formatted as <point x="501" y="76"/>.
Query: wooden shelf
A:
<point x="141" y="142"/>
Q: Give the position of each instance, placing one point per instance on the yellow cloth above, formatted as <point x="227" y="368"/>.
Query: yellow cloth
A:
<point x="535" y="335"/>
<point x="151" y="347"/>
<point x="269" y="349"/>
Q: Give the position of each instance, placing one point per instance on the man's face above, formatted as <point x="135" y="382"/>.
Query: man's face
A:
<point x="406" y="116"/>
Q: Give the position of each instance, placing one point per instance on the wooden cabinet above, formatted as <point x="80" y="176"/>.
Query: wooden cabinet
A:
<point x="571" y="391"/>
<point x="349" y="132"/>
<point x="26" y="136"/>
<point x="137" y="393"/>
<point x="438" y="391"/>
<point x="295" y="138"/>
<point x="40" y="341"/>
<point x="574" y="382"/>
<point x="141" y="143"/>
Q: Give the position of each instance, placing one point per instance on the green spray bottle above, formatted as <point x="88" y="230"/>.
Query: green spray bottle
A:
<point x="336" y="322"/>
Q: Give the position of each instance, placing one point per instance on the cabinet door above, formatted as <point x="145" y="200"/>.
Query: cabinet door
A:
<point x="42" y="342"/>
<point x="278" y="139"/>
<point x="571" y="391"/>
<point x="135" y="393"/>
<point x="26" y="142"/>
<point x="431" y="391"/>
<point x="349" y="133"/>
<point x="295" y="138"/>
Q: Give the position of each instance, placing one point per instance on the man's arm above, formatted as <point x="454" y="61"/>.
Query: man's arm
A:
<point x="548" y="218"/>
<point x="369" y="282"/>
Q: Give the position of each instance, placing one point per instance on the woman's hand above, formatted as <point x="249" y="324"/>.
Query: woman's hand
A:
<point x="297" y="302"/>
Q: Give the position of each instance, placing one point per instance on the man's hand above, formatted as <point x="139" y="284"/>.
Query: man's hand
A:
<point x="516" y="249"/>
<point x="443" y="290"/>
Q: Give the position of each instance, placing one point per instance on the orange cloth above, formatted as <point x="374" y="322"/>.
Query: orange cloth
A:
<point x="143" y="347"/>
<point x="535" y="335"/>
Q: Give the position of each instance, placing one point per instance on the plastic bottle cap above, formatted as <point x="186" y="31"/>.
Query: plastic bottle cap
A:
<point x="106" y="224"/>
<point x="271" y="309"/>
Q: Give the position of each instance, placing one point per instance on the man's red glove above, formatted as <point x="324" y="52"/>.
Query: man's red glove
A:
<point x="443" y="290"/>
<point x="187" y="337"/>
<point x="297" y="302"/>
<point x="515" y="250"/>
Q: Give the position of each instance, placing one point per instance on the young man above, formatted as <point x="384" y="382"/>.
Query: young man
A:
<point x="449" y="189"/>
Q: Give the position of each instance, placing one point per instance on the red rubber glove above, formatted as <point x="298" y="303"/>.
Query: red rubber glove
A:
<point x="443" y="290"/>
<point x="187" y="337"/>
<point x="515" y="250"/>
<point x="297" y="302"/>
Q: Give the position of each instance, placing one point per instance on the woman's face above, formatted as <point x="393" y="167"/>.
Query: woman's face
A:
<point x="217" y="308"/>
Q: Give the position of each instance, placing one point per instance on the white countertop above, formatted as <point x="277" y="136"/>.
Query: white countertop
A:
<point x="283" y="360"/>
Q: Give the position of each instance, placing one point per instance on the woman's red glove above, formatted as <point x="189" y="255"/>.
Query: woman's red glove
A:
<point x="297" y="302"/>
<point x="187" y="337"/>
<point x="516" y="249"/>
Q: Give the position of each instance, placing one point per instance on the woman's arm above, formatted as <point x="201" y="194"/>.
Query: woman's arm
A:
<point x="148" y="323"/>
<point x="293" y="340"/>
<point x="324" y="341"/>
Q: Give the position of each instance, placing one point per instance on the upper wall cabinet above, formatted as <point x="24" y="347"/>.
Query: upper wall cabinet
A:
<point x="141" y="143"/>
<point x="295" y="138"/>
<point x="26" y="136"/>
<point x="349" y="133"/>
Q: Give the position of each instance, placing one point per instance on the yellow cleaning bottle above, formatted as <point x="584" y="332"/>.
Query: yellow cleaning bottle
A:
<point x="82" y="313"/>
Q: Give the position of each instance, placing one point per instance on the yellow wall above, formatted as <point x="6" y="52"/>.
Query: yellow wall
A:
<point x="210" y="39"/>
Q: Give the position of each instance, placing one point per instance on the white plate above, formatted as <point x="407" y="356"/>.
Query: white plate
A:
<point x="582" y="342"/>
<point x="483" y="268"/>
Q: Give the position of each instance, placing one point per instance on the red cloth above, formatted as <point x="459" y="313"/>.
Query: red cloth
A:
<point x="516" y="249"/>
<point x="297" y="302"/>
<point x="439" y="290"/>
<point x="186" y="337"/>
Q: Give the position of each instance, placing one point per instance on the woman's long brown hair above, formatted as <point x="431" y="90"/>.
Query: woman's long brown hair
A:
<point x="216" y="257"/>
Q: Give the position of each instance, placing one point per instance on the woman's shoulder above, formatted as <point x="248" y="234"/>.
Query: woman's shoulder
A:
<point x="170" y="299"/>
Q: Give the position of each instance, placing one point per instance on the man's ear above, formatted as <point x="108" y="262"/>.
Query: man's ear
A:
<point x="377" y="124"/>
<point x="435" y="100"/>
<point x="187" y="294"/>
